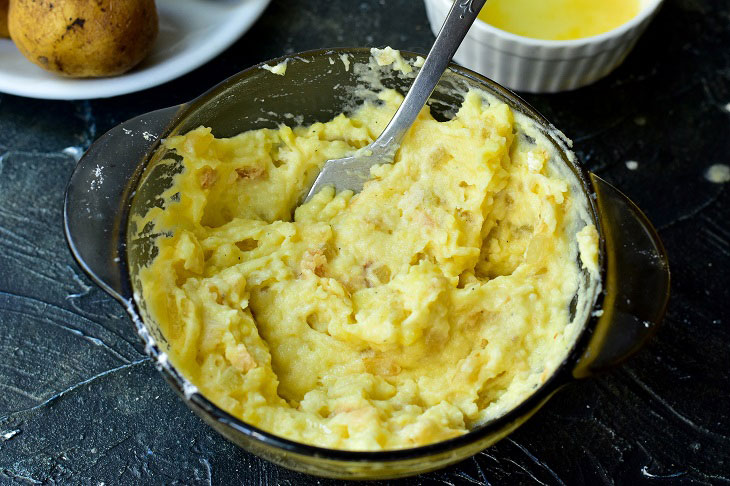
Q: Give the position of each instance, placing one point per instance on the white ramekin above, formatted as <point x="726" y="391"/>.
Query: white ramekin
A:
<point x="543" y="66"/>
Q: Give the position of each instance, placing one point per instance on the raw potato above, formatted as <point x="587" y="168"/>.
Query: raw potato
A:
<point x="4" y="18"/>
<point x="82" y="38"/>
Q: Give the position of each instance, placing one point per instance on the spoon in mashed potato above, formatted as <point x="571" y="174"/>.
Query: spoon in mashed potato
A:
<point x="350" y="173"/>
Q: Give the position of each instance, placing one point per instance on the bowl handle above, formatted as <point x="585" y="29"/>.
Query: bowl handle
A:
<point x="97" y="194"/>
<point x="636" y="283"/>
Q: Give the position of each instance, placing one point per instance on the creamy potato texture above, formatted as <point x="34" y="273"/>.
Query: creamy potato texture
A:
<point x="434" y="300"/>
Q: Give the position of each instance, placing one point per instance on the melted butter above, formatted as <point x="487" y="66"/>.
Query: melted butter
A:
<point x="559" y="19"/>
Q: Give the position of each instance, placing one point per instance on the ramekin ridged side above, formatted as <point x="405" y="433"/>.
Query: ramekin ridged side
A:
<point x="543" y="66"/>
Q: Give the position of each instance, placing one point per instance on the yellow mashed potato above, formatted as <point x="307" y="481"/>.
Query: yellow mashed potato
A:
<point x="436" y="299"/>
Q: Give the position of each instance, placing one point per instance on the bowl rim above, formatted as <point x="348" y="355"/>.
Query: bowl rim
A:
<point x="189" y="392"/>
<point x="482" y="29"/>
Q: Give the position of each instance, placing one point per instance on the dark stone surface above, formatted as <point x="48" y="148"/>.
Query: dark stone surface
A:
<point x="81" y="404"/>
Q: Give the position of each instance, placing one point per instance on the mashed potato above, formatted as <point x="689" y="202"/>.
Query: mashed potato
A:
<point x="436" y="299"/>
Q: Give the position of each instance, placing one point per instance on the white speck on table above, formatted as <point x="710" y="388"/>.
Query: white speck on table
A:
<point x="73" y="152"/>
<point x="10" y="435"/>
<point x="718" y="173"/>
<point x="632" y="164"/>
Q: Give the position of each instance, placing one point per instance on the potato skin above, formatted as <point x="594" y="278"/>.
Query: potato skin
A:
<point x="83" y="38"/>
<point x="4" y="18"/>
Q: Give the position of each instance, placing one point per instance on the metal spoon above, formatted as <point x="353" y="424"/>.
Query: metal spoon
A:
<point x="352" y="172"/>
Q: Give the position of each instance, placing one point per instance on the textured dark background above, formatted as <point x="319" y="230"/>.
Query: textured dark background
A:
<point x="81" y="404"/>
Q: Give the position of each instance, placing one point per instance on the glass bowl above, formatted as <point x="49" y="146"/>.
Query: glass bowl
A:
<point x="119" y="177"/>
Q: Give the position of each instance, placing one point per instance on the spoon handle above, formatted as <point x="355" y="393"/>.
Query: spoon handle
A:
<point x="457" y="23"/>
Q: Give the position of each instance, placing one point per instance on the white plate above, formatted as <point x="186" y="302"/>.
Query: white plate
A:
<point x="192" y="32"/>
